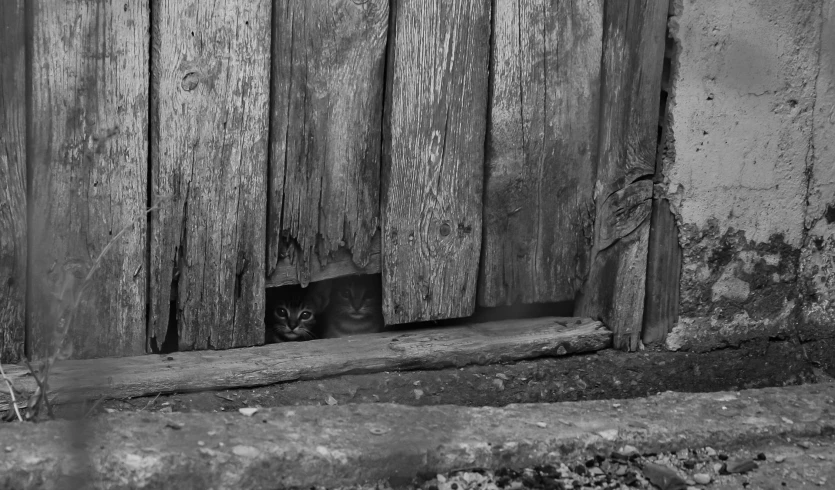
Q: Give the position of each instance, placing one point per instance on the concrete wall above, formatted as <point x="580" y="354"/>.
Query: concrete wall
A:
<point x="749" y="132"/>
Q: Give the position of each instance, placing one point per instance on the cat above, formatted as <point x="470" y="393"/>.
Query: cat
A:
<point x="355" y="307"/>
<point x="294" y="314"/>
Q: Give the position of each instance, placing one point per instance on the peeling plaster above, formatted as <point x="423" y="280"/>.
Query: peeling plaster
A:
<point x="745" y="121"/>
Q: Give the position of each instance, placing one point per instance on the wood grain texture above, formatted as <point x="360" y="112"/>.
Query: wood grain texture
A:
<point x="13" y="245"/>
<point x="209" y="165"/>
<point x="633" y="51"/>
<point x="327" y="81"/>
<point x="433" y="156"/>
<point x="663" y="274"/>
<point x="341" y="263"/>
<point x="485" y="343"/>
<point x="88" y="159"/>
<point x="541" y="150"/>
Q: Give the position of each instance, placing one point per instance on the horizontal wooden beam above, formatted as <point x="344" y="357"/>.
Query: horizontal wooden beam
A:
<point x="341" y="264"/>
<point x="433" y="348"/>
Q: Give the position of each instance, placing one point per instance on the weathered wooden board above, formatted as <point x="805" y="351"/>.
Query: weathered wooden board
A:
<point x="12" y="181"/>
<point x="663" y="274"/>
<point x="484" y="343"/>
<point x="433" y="156"/>
<point x="210" y="105"/>
<point x="633" y="52"/>
<point x="541" y="150"/>
<point x="327" y="82"/>
<point x="341" y="263"/>
<point x="88" y="158"/>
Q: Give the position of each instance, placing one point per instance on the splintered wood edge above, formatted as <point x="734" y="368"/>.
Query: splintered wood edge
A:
<point x="341" y="264"/>
<point x="435" y="348"/>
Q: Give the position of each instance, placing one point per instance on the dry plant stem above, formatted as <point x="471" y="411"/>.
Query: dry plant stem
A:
<point x="93" y="407"/>
<point x="11" y="392"/>
<point x="58" y="341"/>
<point x="151" y="402"/>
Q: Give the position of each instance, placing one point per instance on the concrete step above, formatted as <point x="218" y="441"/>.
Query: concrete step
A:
<point x="354" y="444"/>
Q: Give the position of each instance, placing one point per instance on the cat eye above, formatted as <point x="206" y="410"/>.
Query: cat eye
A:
<point x="305" y="315"/>
<point x="282" y="313"/>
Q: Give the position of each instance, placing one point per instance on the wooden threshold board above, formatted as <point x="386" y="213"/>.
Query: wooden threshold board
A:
<point x="431" y="348"/>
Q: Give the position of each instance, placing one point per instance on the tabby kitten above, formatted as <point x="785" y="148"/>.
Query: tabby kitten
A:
<point x="355" y="307"/>
<point x="294" y="313"/>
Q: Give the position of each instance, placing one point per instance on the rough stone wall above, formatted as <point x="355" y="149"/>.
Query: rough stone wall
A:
<point x="817" y="262"/>
<point x="740" y="151"/>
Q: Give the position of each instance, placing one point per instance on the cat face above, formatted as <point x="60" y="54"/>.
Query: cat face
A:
<point x="357" y="297"/>
<point x="293" y="312"/>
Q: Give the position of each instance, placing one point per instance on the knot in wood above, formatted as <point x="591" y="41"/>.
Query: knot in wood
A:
<point x="445" y="229"/>
<point x="190" y="81"/>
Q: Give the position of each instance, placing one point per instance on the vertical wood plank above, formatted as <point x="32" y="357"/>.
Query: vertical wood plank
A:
<point x="210" y="104"/>
<point x="541" y="150"/>
<point x="663" y="274"/>
<point x="433" y="155"/>
<point x="89" y="171"/>
<point x="12" y="181"/>
<point x="328" y="79"/>
<point x="633" y="51"/>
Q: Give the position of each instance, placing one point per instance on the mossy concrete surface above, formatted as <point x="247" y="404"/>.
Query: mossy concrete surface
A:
<point x="354" y="444"/>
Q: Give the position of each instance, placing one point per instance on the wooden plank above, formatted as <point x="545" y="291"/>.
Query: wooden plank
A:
<point x="433" y="153"/>
<point x="485" y="343"/>
<point x="88" y="159"/>
<point x="12" y="181"/>
<point x="633" y="52"/>
<point x="541" y="150"/>
<point x="340" y="263"/>
<point x="327" y="82"/>
<point x="663" y="274"/>
<point x="210" y="105"/>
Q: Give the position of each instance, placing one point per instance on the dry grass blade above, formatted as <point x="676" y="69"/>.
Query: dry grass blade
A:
<point x="69" y="297"/>
<point x="11" y="393"/>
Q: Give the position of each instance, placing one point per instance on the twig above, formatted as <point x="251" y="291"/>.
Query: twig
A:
<point x="95" y="404"/>
<point x="11" y="392"/>
<point x="152" y="401"/>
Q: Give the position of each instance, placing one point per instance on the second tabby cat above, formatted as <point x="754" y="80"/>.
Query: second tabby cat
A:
<point x="355" y="307"/>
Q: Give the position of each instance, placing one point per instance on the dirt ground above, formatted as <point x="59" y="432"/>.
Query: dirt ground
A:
<point x="606" y="374"/>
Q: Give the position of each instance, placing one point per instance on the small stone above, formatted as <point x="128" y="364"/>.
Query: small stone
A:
<point x="710" y="451"/>
<point x="779" y="459"/>
<point x="418" y="393"/>
<point x="761" y="457"/>
<point x="246" y="451"/>
<point x="621" y="470"/>
<point x="498" y="383"/>
<point x="109" y="410"/>
<point x="502" y="376"/>
<point x="8" y="449"/>
<point x="174" y="425"/>
<point x="541" y="425"/>
<point x="330" y="400"/>
<point x="416" y="383"/>
<point x="804" y="444"/>
<point x="690" y="481"/>
<point x="628" y="450"/>
<point x="743" y="466"/>
<point x="701" y="478"/>
<point x="201" y="443"/>
<point x="248" y="411"/>
<point x="168" y="410"/>
<point x="595" y="471"/>
<point x="718" y="467"/>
